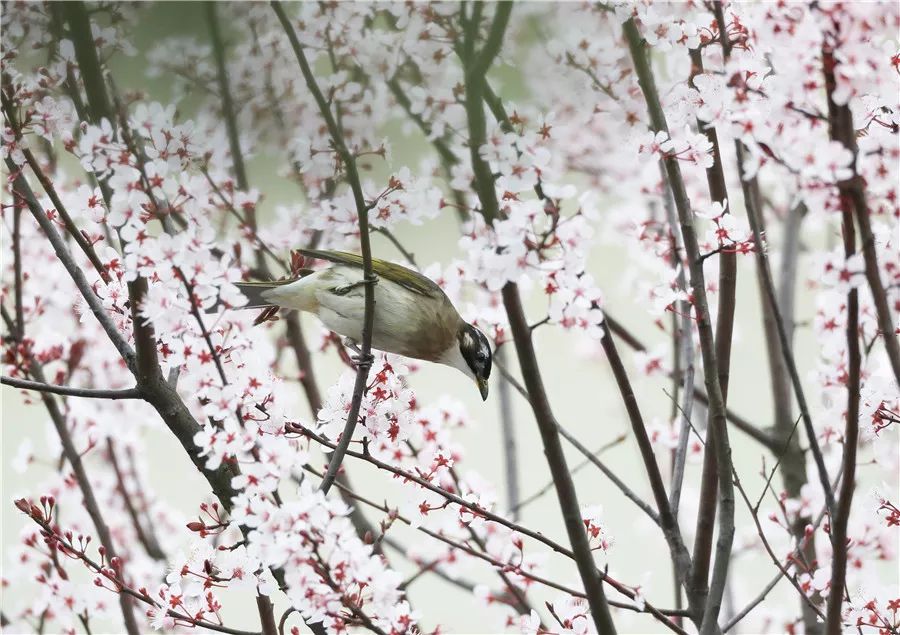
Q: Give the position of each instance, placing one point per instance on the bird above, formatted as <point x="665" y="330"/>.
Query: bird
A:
<point x="413" y="315"/>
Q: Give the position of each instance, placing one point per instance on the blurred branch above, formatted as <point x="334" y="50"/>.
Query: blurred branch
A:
<point x="18" y="278"/>
<point x="146" y="536"/>
<point x="228" y="111"/>
<point x="508" y="432"/>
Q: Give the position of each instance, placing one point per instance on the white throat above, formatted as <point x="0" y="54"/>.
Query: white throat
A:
<point x="453" y="357"/>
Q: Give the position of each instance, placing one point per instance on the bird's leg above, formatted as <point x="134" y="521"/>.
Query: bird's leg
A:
<point x="350" y="343"/>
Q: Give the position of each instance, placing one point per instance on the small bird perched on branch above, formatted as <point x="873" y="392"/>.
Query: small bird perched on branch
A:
<point x="413" y="316"/>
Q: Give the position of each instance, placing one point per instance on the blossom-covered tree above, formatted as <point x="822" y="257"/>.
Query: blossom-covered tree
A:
<point x="707" y="140"/>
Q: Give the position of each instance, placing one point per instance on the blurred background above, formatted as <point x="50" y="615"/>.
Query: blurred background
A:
<point x="581" y="390"/>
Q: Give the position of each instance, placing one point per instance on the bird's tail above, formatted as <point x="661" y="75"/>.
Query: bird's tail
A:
<point x="254" y="292"/>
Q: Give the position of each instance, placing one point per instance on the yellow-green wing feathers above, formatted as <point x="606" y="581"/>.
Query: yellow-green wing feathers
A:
<point x="398" y="274"/>
<point x="273" y="283"/>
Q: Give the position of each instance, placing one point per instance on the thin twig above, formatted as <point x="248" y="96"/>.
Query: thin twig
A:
<point x="69" y="391"/>
<point x="589" y="456"/>
<point x="753" y="431"/>
<point x="759" y="530"/>
<point x="660" y="614"/>
<point x="510" y="450"/>
<point x="73" y="456"/>
<point x="549" y="485"/>
<point x="802" y="545"/>
<point x="684" y="352"/>
<point x="106" y="572"/>
<point x="667" y="520"/>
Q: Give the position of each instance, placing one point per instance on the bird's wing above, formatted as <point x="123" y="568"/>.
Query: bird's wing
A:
<point x="407" y="278"/>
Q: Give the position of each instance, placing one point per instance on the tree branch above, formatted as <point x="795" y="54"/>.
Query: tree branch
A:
<point x="476" y="65"/>
<point x="840" y="119"/>
<point x="22" y="190"/>
<point x="590" y="457"/>
<point x="73" y="456"/>
<point x="753" y="431"/>
<point x="707" y="341"/>
<point x="453" y="498"/>
<point x="158" y="393"/>
<point x="840" y="123"/>
<point x="99" y="107"/>
<point x="667" y="520"/>
<point x="706" y="514"/>
<point x="793" y="467"/>
<point x="362" y="211"/>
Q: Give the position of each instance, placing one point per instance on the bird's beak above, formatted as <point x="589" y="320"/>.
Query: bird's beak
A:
<point x="482" y="387"/>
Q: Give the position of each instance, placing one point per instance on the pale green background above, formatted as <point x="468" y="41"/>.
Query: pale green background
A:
<point x="582" y="392"/>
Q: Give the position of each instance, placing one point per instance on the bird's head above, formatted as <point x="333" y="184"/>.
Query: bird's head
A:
<point x="476" y="352"/>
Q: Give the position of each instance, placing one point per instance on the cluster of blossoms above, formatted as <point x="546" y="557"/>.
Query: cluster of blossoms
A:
<point x="160" y="219"/>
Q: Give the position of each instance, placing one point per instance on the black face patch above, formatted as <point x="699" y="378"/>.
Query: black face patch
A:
<point x="476" y="350"/>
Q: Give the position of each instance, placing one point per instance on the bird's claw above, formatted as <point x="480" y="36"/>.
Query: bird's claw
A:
<point x="358" y="358"/>
<point x="362" y="360"/>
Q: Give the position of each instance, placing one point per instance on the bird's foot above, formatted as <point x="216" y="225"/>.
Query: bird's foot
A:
<point x="363" y="360"/>
<point x="358" y="359"/>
